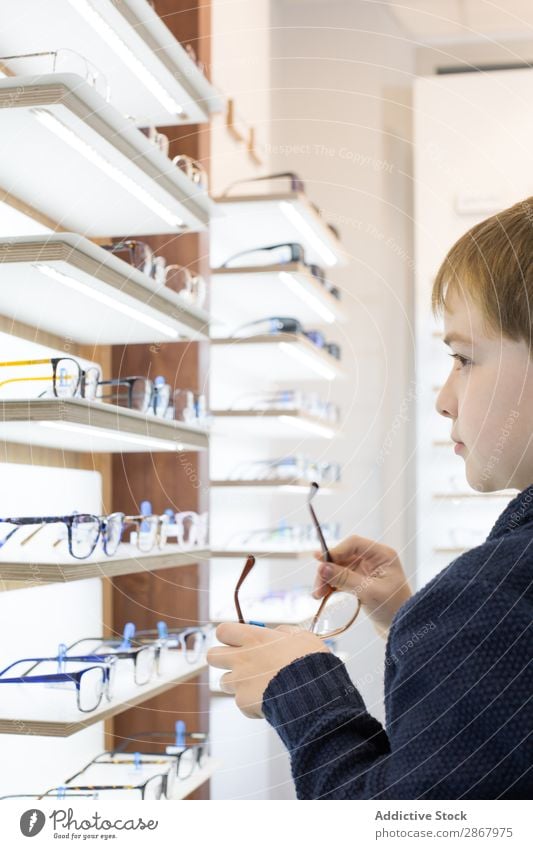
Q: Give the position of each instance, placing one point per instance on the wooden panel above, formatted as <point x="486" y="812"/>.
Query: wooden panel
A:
<point x="180" y="596"/>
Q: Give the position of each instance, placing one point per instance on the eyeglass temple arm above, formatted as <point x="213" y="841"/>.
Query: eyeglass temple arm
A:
<point x="249" y="565"/>
<point x="290" y="174"/>
<point x="291" y="245"/>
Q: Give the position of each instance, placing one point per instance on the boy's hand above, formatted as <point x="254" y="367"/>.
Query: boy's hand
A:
<point x="370" y="570"/>
<point x="253" y="655"/>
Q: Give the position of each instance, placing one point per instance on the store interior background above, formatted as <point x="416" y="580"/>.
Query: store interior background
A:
<point x="331" y="89"/>
<point x="401" y="160"/>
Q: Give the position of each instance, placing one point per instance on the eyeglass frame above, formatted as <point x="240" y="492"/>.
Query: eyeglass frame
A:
<point x="81" y="382"/>
<point x="58" y="677"/>
<point x="22" y="521"/>
<point x="250" y="563"/>
<point x="154" y="388"/>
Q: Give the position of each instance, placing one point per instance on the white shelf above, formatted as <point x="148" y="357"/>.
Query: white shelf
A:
<point x="262" y="553"/>
<point x="239" y="295"/>
<point x="274" y="424"/>
<point x="107" y="301"/>
<point x="297" y="485"/>
<point x="477" y="495"/>
<point x="252" y="221"/>
<point x="52" y="712"/>
<point x="28" y="572"/>
<point x="72" y="424"/>
<point x="289" y="356"/>
<point x="96" y="173"/>
<point x="165" y="79"/>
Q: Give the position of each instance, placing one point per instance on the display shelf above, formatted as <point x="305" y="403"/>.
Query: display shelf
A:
<point x="107" y="301"/>
<point x="289" y="357"/>
<point x="72" y="424"/>
<point x="262" y="553"/>
<point x="275" y="424"/>
<point x="239" y="295"/>
<point x="50" y="712"/>
<point x="478" y="495"/>
<point x="102" y="175"/>
<point x="277" y="218"/>
<point x="127" y="561"/>
<point x="150" y="75"/>
<point x="295" y="485"/>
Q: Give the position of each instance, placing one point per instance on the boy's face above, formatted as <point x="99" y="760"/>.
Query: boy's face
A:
<point x="489" y="398"/>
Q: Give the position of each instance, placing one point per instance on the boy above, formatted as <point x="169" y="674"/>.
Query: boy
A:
<point x="458" y="702"/>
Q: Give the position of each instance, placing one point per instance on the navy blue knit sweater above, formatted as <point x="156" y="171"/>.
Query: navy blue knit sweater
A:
<point x="458" y="689"/>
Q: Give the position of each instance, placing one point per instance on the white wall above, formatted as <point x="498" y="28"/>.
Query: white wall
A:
<point x="342" y="73"/>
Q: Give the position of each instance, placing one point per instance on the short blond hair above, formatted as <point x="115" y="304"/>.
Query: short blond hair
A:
<point x="492" y="265"/>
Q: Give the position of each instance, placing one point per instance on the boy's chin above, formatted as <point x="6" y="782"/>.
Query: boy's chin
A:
<point x="485" y="483"/>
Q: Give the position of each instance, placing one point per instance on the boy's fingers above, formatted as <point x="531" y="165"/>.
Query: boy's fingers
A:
<point x="219" y="657"/>
<point x="233" y="633"/>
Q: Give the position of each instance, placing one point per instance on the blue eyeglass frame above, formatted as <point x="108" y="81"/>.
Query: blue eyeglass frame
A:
<point x="58" y="677"/>
<point x="103" y="521"/>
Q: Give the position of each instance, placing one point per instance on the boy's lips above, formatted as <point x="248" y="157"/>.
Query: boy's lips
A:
<point x="458" y="445"/>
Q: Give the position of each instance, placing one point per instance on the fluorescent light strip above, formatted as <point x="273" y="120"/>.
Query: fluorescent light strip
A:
<point x="310" y="427"/>
<point x="128" y="57"/>
<point x="307" y="232"/>
<point x="96" y="295"/>
<point x="91" y="154"/>
<point x="104" y="433"/>
<point x="299" y="289"/>
<point x="307" y="360"/>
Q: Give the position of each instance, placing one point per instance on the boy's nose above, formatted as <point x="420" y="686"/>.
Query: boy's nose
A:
<point x="446" y="403"/>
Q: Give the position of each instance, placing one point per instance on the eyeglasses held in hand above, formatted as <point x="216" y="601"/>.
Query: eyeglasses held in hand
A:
<point x="68" y="378"/>
<point x="345" y="607"/>
<point x="90" y="683"/>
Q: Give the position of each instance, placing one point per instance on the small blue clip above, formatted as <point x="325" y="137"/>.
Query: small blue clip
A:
<point x="61" y="652"/>
<point x="260" y="624"/>
<point x="180" y="733"/>
<point x="137" y="760"/>
<point x="61" y="792"/>
<point x="127" y="636"/>
<point x="146" y="510"/>
<point x="162" y="630"/>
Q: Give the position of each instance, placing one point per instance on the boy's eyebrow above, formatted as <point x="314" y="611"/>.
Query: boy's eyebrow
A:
<point x="456" y="337"/>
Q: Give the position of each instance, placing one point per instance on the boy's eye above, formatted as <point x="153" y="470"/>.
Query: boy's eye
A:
<point x="459" y="358"/>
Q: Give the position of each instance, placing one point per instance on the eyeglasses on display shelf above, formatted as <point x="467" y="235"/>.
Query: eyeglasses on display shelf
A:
<point x="337" y="611"/>
<point x="189" y="642"/>
<point x="296" y="184"/>
<point x="152" y="651"/>
<point x="189" y="528"/>
<point x="283" y="253"/>
<point x="192" y="288"/>
<point x="137" y="393"/>
<point x="191" y="407"/>
<point x="192" y="169"/>
<point x="289" y="399"/>
<point x="60" y="61"/>
<point x="90" y="683"/>
<point x="83" y="531"/>
<point x="153" y="775"/>
<point x="159" y="140"/>
<point x="287" y="468"/>
<point x="64" y="375"/>
<point x="273" y="325"/>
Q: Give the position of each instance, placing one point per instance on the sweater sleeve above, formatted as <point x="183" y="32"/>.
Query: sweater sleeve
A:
<point x="458" y="709"/>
